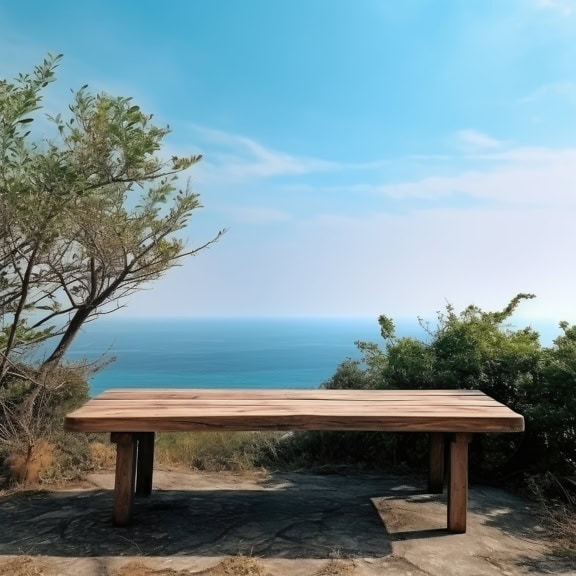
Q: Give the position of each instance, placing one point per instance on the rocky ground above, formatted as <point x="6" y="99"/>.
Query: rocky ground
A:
<point x="271" y="525"/>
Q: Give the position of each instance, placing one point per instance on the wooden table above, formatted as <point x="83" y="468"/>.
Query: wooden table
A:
<point x="133" y="416"/>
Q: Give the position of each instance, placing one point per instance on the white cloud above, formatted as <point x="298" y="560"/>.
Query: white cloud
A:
<point x="234" y="157"/>
<point x="521" y="239"/>
<point x="474" y="140"/>
<point x="561" y="7"/>
<point x="520" y="177"/>
<point x="563" y="90"/>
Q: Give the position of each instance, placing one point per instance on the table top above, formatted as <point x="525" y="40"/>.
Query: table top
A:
<point x="154" y="410"/>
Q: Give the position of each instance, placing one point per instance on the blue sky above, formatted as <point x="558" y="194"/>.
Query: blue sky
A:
<point x="367" y="157"/>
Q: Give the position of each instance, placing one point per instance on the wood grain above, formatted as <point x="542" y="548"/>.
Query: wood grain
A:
<point x="436" y="466"/>
<point x="458" y="483"/>
<point x="125" y="476"/>
<point x="194" y="393"/>
<point x="236" y="410"/>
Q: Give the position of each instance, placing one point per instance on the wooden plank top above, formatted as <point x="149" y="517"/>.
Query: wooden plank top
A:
<point x="154" y="410"/>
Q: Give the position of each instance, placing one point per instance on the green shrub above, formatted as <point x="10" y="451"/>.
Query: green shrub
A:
<point x="475" y="349"/>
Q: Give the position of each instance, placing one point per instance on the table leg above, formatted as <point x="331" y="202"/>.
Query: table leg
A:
<point x="436" y="469"/>
<point x="458" y="483"/>
<point x="125" y="476"/>
<point x="145" y="463"/>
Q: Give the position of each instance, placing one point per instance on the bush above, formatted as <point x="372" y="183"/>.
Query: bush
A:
<point x="477" y="350"/>
<point x="33" y="445"/>
<point x="216" y="451"/>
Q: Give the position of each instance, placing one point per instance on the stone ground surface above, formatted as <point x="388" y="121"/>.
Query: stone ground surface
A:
<point x="271" y="525"/>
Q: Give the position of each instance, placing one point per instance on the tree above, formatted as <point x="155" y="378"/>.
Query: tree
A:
<point x="88" y="216"/>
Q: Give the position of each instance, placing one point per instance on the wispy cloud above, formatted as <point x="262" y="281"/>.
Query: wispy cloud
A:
<point x="563" y="90"/>
<point x="522" y="176"/>
<point x="230" y="157"/>
<point x="473" y="140"/>
<point x="235" y="157"/>
<point x="561" y="7"/>
<point x="516" y="239"/>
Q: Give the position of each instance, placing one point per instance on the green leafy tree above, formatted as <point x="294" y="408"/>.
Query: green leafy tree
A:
<point x="88" y="216"/>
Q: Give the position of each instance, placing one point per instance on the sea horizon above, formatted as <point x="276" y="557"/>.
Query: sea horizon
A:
<point x="298" y="352"/>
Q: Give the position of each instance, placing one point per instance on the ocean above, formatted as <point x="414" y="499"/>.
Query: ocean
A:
<point x="220" y="352"/>
<point x="224" y="352"/>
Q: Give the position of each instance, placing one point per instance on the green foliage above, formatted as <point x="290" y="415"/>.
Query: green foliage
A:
<point x="550" y="406"/>
<point x="475" y="349"/>
<point x="351" y="375"/>
<point x="410" y="364"/>
<point x="88" y="216"/>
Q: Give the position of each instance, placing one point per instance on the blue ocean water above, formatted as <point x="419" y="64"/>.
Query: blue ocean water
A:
<point x="224" y="352"/>
<point x="220" y="353"/>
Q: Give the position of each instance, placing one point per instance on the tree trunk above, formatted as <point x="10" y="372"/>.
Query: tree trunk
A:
<point x="67" y="338"/>
<point x="18" y="313"/>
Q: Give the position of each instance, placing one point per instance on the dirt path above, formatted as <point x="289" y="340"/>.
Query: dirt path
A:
<point x="270" y="525"/>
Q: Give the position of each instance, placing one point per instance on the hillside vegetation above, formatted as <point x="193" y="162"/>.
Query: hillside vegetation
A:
<point x="475" y="349"/>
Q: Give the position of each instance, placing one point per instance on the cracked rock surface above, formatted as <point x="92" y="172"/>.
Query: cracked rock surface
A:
<point x="295" y="524"/>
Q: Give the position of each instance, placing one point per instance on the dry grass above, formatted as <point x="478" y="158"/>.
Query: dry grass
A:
<point x="561" y="523"/>
<point x="215" y="451"/>
<point x="103" y="456"/>
<point x="138" y="568"/>
<point x="558" y="516"/>
<point x="237" y="566"/>
<point x="208" y="451"/>
<point x="337" y="568"/>
<point x="26" y="469"/>
<point x="23" y="566"/>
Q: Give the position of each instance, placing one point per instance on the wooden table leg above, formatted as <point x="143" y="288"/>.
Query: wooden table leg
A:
<point x="145" y="463"/>
<point x="436" y="469"/>
<point x="125" y="476"/>
<point x="458" y="483"/>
